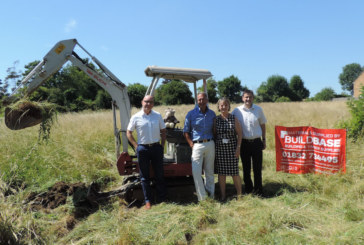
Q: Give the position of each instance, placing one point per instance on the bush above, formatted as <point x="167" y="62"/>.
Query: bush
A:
<point x="283" y="99"/>
<point x="325" y="94"/>
<point x="174" y="92"/>
<point x="136" y="94"/>
<point x="355" y="125"/>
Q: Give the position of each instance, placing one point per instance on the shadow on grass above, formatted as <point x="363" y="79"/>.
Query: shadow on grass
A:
<point x="270" y="190"/>
<point x="273" y="189"/>
<point x="181" y="190"/>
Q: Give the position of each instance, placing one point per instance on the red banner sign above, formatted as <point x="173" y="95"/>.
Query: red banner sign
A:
<point x="301" y="150"/>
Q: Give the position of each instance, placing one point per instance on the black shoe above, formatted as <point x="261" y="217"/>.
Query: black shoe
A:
<point x="258" y="192"/>
<point x="247" y="192"/>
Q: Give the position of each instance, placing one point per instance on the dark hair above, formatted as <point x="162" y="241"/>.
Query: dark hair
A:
<point x="248" y="91"/>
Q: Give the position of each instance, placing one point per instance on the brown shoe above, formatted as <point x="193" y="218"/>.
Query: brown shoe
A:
<point x="147" y="206"/>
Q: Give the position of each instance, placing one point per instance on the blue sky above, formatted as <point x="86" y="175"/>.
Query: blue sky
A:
<point x="249" y="39"/>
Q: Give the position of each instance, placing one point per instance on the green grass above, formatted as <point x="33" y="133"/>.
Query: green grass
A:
<point x="297" y="209"/>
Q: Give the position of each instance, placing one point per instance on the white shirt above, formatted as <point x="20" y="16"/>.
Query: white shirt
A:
<point x="250" y="120"/>
<point x="148" y="127"/>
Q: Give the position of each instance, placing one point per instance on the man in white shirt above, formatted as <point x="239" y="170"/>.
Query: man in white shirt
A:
<point x="151" y="132"/>
<point x="252" y="121"/>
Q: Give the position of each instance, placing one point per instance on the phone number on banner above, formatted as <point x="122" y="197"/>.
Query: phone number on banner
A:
<point x="310" y="155"/>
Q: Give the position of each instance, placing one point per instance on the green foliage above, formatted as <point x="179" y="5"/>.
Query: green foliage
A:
<point x="275" y="87"/>
<point x="297" y="86"/>
<point x="3" y="89"/>
<point x="49" y="115"/>
<point x="211" y="90"/>
<point x="262" y="93"/>
<point x="230" y="88"/>
<point x="349" y="74"/>
<point x="283" y="99"/>
<point x="103" y="100"/>
<point x="136" y="94"/>
<point x="10" y="81"/>
<point x="174" y="92"/>
<point x="355" y="125"/>
<point x="13" y="77"/>
<point x="325" y="94"/>
<point x="71" y="89"/>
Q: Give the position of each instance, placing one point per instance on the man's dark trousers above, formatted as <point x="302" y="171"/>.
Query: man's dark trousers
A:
<point x="151" y="155"/>
<point x="252" y="153"/>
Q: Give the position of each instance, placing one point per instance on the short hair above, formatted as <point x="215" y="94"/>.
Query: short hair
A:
<point x="151" y="96"/>
<point x="248" y="91"/>
<point x="223" y="99"/>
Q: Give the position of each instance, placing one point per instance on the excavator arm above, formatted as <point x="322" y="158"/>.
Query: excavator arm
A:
<point x="53" y="61"/>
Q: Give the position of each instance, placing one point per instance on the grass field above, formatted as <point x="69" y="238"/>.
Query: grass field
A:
<point x="296" y="209"/>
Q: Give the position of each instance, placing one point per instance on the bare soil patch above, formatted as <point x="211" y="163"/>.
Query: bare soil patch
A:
<point x="54" y="197"/>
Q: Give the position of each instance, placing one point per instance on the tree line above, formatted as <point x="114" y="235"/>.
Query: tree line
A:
<point x="72" y="90"/>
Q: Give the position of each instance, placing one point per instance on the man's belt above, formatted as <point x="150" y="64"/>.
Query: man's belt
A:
<point x="201" y="141"/>
<point x="152" y="144"/>
<point x="251" y="140"/>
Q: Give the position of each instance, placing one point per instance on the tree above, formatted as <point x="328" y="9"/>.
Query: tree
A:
<point x="174" y="93"/>
<point x="325" y="94"/>
<point x="262" y="93"/>
<point x="211" y="85"/>
<point x="71" y="88"/>
<point x="275" y="87"/>
<point x="13" y="77"/>
<point x="297" y="87"/>
<point x="355" y="124"/>
<point x="103" y="100"/>
<point x="230" y="88"/>
<point x="349" y="74"/>
<point x="29" y="67"/>
<point x="136" y="94"/>
<point x="3" y="89"/>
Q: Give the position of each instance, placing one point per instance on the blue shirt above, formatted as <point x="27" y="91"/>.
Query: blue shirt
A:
<point x="199" y="125"/>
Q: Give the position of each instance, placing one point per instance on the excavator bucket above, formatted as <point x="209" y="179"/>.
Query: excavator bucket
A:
<point x="23" y="116"/>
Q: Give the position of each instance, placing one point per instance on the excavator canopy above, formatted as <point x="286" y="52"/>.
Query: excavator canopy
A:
<point x="185" y="74"/>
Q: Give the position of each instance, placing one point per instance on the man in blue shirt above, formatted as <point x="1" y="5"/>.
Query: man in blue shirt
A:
<point x="198" y="131"/>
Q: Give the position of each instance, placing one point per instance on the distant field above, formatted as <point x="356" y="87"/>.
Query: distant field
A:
<point x="296" y="209"/>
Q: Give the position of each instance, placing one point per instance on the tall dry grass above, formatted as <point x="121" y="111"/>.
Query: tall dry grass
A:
<point x="296" y="209"/>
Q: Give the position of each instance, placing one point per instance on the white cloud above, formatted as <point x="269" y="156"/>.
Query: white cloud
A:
<point x="70" y="25"/>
